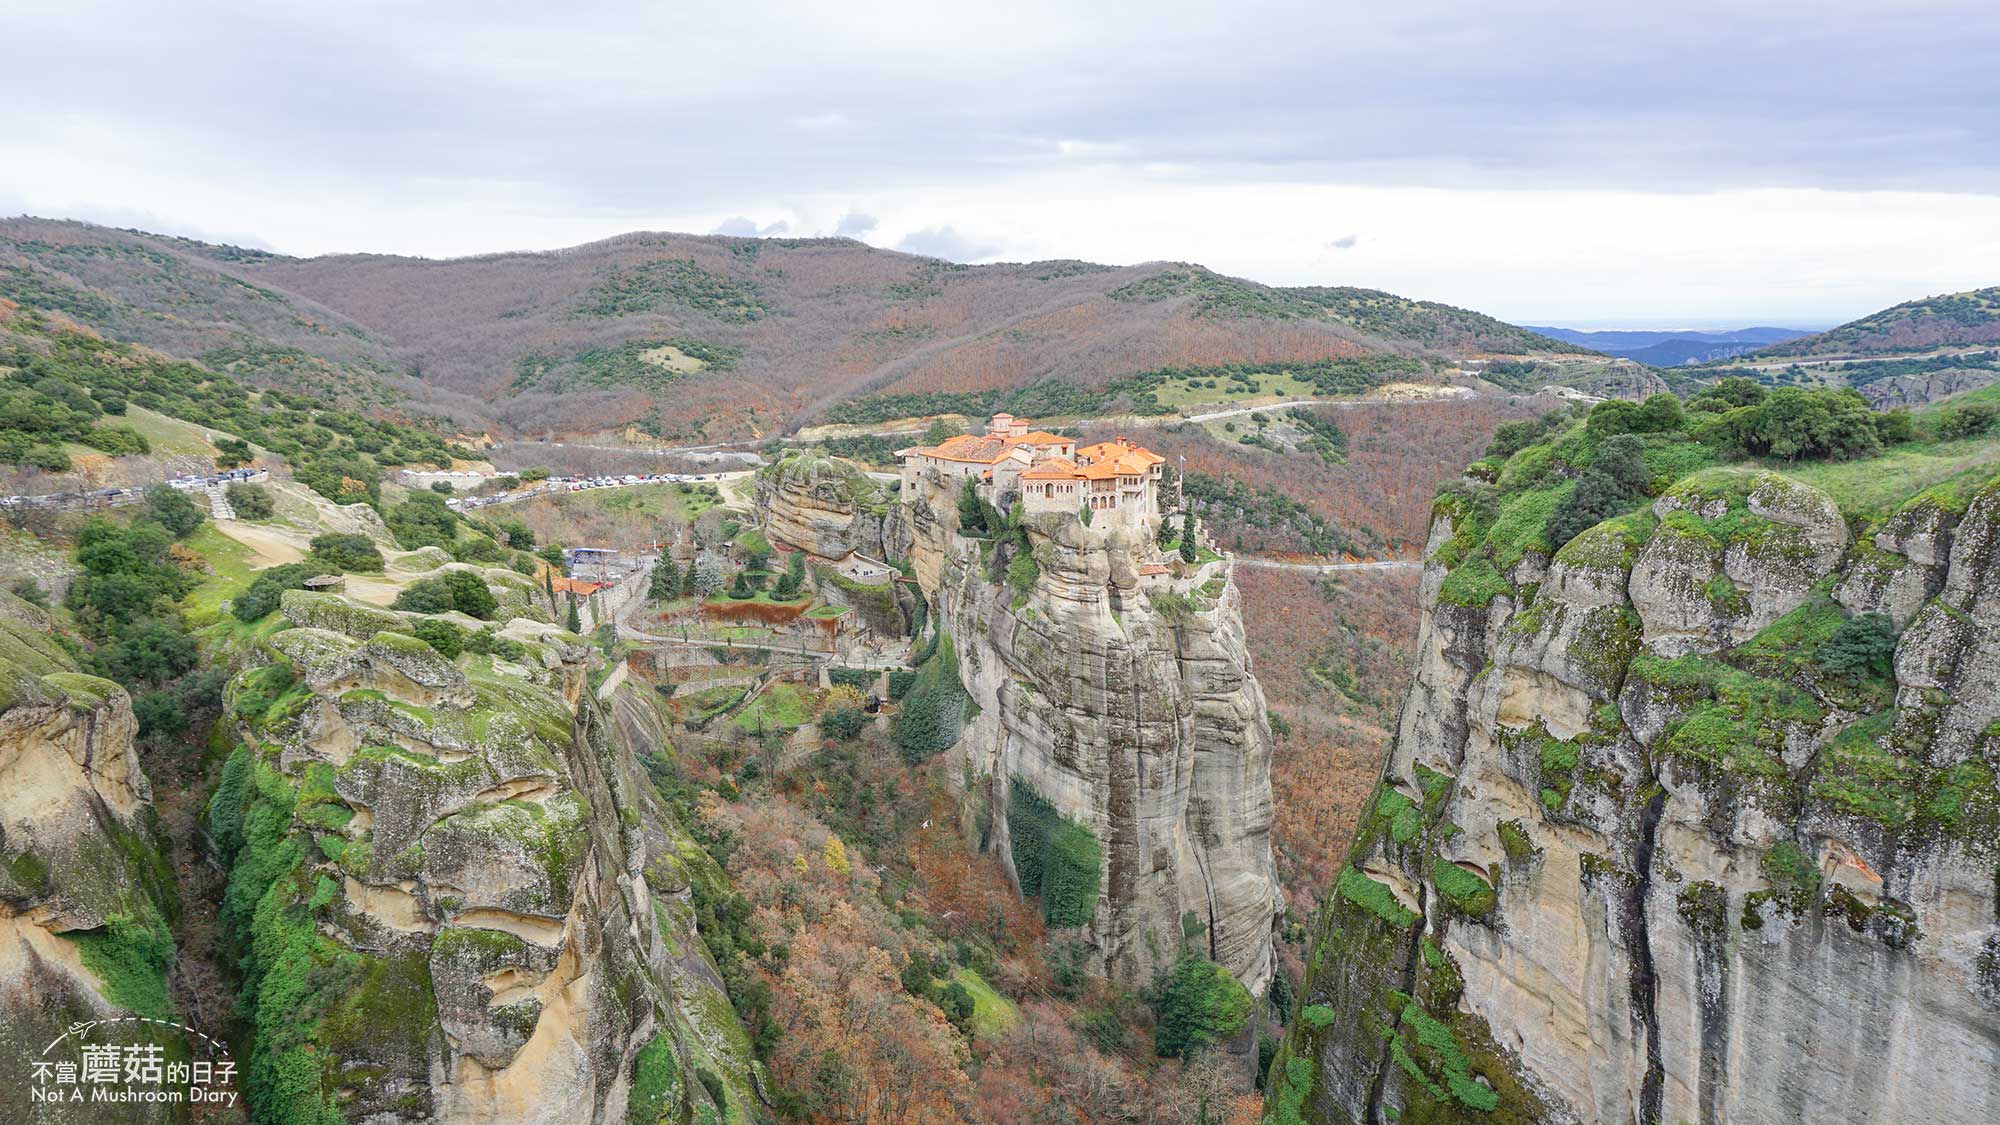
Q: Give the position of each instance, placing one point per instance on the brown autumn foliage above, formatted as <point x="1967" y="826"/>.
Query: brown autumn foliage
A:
<point x="761" y="612"/>
<point x="857" y="1046"/>
<point x="866" y="1049"/>
<point x="1397" y="455"/>
<point x="803" y="322"/>
<point x="1333" y="655"/>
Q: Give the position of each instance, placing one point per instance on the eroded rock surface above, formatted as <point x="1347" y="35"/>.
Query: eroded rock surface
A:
<point x="461" y="896"/>
<point x="1127" y="703"/>
<point x="828" y="507"/>
<point x="1642" y="852"/>
<point x="85" y="892"/>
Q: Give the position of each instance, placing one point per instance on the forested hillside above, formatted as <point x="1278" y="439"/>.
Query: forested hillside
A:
<point x="689" y="337"/>
<point x="1951" y="320"/>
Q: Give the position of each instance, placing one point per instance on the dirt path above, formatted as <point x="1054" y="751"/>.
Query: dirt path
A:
<point x="269" y="546"/>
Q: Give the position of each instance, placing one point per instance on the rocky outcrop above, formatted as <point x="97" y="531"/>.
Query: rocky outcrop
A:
<point x="1926" y="387"/>
<point x="85" y="893"/>
<point x="1123" y="704"/>
<point x="1620" y="378"/>
<point x="828" y="507"/>
<point x="460" y="898"/>
<point x="1653" y="845"/>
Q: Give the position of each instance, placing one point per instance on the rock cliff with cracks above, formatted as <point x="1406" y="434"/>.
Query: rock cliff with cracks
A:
<point x="86" y="893"/>
<point x="1121" y="705"/>
<point x="1693" y="820"/>
<point x="828" y="507"/>
<point x="457" y="896"/>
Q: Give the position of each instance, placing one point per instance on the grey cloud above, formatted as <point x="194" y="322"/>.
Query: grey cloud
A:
<point x="1702" y="94"/>
<point x="1344" y="242"/>
<point x="854" y="224"/>
<point x="947" y="243"/>
<point x="740" y="227"/>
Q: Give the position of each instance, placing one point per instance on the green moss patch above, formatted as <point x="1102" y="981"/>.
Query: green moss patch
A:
<point x="131" y="957"/>
<point x="1404" y="821"/>
<point x="1374" y="897"/>
<point x="1466" y="892"/>
<point x="1474" y="582"/>
<point x="1055" y="858"/>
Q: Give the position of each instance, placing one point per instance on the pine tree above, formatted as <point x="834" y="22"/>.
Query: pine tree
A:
<point x="1187" y="536"/>
<point x="575" y="621"/>
<point x="666" y="582"/>
<point x="549" y="586"/>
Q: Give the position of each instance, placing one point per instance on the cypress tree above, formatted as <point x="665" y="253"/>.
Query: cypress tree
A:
<point x="666" y="580"/>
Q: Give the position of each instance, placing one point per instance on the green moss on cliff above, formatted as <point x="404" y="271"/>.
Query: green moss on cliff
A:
<point x="657" y="1082"/>
<point x="1374" y="897"/>
<point x="1467" y="893"/>
<point x="1474" y="582"/>
<point x="131" y="957"/>
<point x="1400" y="814"/>
<point x="1055" y="859"/>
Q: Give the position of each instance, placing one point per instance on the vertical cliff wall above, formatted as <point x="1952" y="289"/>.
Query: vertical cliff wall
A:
<point x="86" y="894"/>
<point x="1123" y="703"/>
<point x="459" y="899"/>
<point x="1673" y="829"/>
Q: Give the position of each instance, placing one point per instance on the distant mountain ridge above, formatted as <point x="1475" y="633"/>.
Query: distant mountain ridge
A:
<point x="701" y="337"/>
<point x="1672" y="348"/>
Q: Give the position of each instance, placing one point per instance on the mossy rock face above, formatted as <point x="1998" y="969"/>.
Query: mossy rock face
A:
<point x="82" y="863"/>
<point x="27" y="639"/>
<point x="876" y="604"/>
<point x="411" y="844"/>
<point x="83" y="691"/>
<point x="420" y="664"/>
<point x="466" y="966"/>
<point x="1743" y="800"/>
<point x="422" y="560"/>
<point x="318" y="653"/>
<point x="337" y="614"/>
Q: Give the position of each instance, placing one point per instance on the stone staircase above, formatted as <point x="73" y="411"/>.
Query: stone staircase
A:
<point x="218" y="503"/>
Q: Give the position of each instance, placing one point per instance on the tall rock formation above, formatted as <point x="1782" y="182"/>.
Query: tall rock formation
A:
<point x="1665" y="834"/>
<point x="86" y="894"/>
<point x="458" y="896"/>
<point x="828" y="507"/>
<point x="1115" y="702"/>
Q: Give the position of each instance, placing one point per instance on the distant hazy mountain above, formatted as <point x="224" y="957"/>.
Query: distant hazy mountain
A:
<point x="1672" y="348"/>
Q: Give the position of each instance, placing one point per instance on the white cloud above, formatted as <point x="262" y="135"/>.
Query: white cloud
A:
<point x="854" y="224"/>
<point x="948" y="243"/>
<point x="741" y="227"/>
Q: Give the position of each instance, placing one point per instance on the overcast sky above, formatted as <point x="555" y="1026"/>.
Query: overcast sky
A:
<point x="1556" y="161"/>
